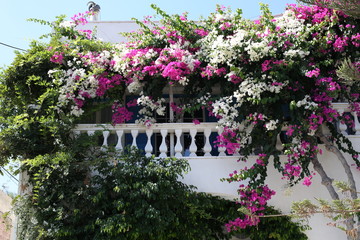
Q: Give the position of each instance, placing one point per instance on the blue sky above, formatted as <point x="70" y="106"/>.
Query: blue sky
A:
<point x="18" y="32"/>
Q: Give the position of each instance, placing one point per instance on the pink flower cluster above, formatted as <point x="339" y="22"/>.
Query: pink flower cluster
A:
<point x="229" y="140"/>
<point x="261" y="159"/>
<point x="315" y="121"/>
<point x="166" y="62"/>
<point x="120" y="114"/>
<point x="106" y="83"/>
<point x="297" y="155"/>
<point x="80" y="18"/>
<point x="255" y="201"/>
<point x="255" y="118"/>
<point x="315" y="14"/>
<point x="313" y="73"/>
<point x="57" y="58"/>
<point x="210" y="71"/>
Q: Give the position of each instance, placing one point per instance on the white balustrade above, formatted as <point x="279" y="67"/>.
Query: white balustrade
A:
<point x="170" y="139"/>
<point x="163" y="145"/>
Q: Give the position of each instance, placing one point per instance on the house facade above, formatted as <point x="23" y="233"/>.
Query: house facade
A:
<point x="177" y="136"/>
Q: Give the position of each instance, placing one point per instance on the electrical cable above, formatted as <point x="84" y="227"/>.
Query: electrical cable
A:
<point x="7" y="45"/>
<point x="10" y="174"/>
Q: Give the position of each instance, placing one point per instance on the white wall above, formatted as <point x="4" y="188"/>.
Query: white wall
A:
<point x="110" y="31"/>
<point x="206" y="174"/>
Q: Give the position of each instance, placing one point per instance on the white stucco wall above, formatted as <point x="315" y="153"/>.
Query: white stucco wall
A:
<point x="109" y="31"/>
<point x="206" y="174"/>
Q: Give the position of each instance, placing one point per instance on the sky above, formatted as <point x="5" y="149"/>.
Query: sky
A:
<point x="16" y="31"/>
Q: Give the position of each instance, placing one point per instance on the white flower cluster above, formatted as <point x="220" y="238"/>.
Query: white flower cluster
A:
<point x="271" y="125"/>
<point x="239" y="38"/>
<point x="253" y="88"/>
<point x="104" y="58"/>
<point x="67" y="24"/>
<point x="184" y="81"/>
<point x="228" y="110"/>
<point x="307" y="103"/>
<point x="216" y="49"/>
<point x="223" y="16"/>
<point x="203" y="100"/>
<point x="75" y="82"/>
<point x="292" y="53"/>
<point x="134" y="87"/>
<point x="150" y="106"/>
<point x="289" y="23"/>
<point x="190" y="61"/>
<point x="121" y="64"/>
<point x="258" y="50"/>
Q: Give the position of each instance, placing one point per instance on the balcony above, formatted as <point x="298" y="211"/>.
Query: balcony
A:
<point x="162" y="139"/>
<point x="183" y="139"/>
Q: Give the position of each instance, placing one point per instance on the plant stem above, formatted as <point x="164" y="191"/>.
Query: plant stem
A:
<point x="332" y="148"/>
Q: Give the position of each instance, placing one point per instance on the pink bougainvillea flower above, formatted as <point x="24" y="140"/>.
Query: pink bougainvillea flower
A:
<point x="57" y="58"/>
<point x="307" y="181"/>
<point x="196" y="121"/>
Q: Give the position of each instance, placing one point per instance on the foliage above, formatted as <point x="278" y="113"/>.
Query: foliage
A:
<point x="349" y="72"/>
<point x="336" y="210"/>
<point x="268" y="228"/>
<point x="256" y="77"/>
<point x="101" y="194"/>
<point x="29" y="121"/>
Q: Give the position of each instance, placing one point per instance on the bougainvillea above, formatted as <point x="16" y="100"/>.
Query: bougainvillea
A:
<point x="260" y="79"/>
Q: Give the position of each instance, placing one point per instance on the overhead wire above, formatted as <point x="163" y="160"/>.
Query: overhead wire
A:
<point x="12" y="176"/>
<point x="7" y="45"/>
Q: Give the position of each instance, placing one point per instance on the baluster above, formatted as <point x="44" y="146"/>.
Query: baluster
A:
<point x="342" y="126"/>
<point x="178" y="146"/>
<point x="91" y="132"/>
<point x="149" y="147"/>
<point x="279" y="145"/>
<point x="105" y="142"/>
<point x="357" y="123"/>
<point x="119" y="145"/>
<point x="163" y="146"/>
<point x="134" y="133"/>
<point x="193" y="147"/>
<point x="221" y="149"/>
<point x="76" y="133"/>
<point x="207" y="145"/>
